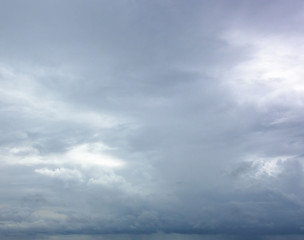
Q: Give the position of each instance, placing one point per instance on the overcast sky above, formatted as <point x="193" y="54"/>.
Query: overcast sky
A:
<point x="151" y="119"/>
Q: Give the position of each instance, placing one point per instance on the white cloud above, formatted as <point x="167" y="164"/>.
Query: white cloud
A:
<point x="85" y="163"/>
<point x="85" y="155"/>
<point x="88" y="155"/>
<point x="273" y="71"/>
<point x="107" y="178"/>
<point x="61" y="173"/>
<point x="267" y="166"/>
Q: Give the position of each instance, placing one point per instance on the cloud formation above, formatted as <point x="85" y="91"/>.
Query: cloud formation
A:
<point x="141" y="119"/>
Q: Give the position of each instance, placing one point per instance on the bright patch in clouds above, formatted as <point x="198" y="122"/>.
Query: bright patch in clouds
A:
<point x="269" y="166"/>
<point x="88" y="155"/>
<point x="62" y="173"/>
<point x="273" y="72"/>
<point x="85" y="155"/>
<point x="86" y="163"/>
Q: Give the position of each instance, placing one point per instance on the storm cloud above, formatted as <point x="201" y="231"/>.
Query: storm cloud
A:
<point x="151" y="119"/>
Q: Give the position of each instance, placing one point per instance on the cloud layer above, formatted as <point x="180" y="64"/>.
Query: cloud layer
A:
<point x="139" y="117"/>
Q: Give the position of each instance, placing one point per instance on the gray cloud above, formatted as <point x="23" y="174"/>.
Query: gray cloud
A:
<point x="141" y="119"/>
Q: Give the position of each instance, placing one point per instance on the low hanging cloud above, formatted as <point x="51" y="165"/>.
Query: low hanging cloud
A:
<point x="142" y="120"/>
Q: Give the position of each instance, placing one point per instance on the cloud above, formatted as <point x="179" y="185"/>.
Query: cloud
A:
<point x="144" y="119"/>
<point x="62" y="173"/>
<point x="272" y="74"/>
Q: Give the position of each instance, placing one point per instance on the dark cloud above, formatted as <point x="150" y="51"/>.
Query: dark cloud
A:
<point x="147" y="120"/>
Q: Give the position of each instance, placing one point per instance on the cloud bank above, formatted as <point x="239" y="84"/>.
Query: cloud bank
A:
<point x="151" y="119"/>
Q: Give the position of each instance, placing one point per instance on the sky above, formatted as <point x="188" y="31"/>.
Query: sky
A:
<point x="145" y="120"/>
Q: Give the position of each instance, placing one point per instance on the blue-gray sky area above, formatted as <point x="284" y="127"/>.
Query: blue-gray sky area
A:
<point x="163" y="119"/>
